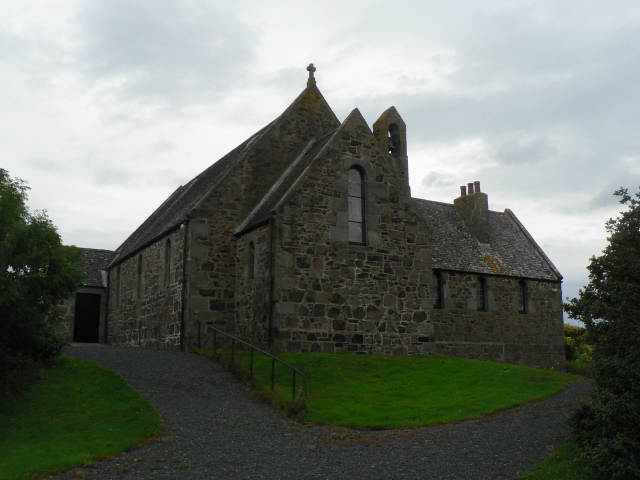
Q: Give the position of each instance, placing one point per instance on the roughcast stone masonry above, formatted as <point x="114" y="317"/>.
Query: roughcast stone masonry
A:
<point x="306" y="238"/>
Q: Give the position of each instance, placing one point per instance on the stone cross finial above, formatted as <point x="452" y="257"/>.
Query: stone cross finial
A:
<point x="312" y="81"/>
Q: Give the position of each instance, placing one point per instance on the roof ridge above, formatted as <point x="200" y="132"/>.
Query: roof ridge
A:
<point x="254" y="219"/>
<point x="537" y="247"/>
<point x="164" y="219"/>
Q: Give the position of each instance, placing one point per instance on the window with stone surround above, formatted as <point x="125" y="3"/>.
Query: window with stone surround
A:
<point x="438" y="290"/>
<point x="394" y="138"/>
<point x="251" y="261"/>
<point x="481" y="294"/>
<point x="139" y="286"/>
<point x="117" y="288"/>
<point x="167" y="263"/>
<point x="522" y="297"/>
<point x="356" y="198"/>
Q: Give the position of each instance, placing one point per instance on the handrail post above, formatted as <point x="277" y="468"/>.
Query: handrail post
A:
<point x="293" y="386"/>
<point x="252" y="350"/>
<point x="273" y="373"/>
<point x="233" y="350"/>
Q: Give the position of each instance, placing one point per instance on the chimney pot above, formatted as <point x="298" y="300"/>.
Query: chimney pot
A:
<point x="463" y="190"/>
<point x="470" y="188"/>
<point x="476" y="185"/>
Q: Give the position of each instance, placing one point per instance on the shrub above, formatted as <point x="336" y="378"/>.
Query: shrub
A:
<point x="578" y="350"/>
<point x="606" y="430"/>
<point x="36" y="273"/>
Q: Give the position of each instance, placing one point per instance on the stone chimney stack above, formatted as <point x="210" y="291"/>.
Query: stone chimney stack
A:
<point x="473" y="206"/>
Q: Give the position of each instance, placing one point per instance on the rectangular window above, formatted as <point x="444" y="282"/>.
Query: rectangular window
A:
<point x="481" y="294"/>
<point x="438" y="291"/>
<point x="522" y="297"/>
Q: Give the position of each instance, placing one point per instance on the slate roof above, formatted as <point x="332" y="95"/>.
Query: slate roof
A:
<point x="511" y="251"/>
<point x="281" y="189"/>
<point x="94" y="262"/>
<point x="175" y="209"/>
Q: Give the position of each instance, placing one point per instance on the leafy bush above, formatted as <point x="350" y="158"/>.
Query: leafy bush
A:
<point x="579" y="350"/>
<point x="36" y="273"/>
<point x="606" y="430"/>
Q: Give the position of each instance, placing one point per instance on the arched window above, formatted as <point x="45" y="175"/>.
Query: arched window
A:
<point x="139" y="286"/>
<point x="481" y="294"/>
<point x="394" y="138"/>
<point x="357" y="230"/>
<point x="117" y="286"/>
<point x="251" y="261"/>
<point x="522" y="297"/>
<point x="167" y="263"/>
<point x="438" y="290"/>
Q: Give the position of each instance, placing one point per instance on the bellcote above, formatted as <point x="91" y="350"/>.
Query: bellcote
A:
<point x="391" y="133"/>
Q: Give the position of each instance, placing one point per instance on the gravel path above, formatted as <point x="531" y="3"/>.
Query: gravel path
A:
<point x="214" y="430"/>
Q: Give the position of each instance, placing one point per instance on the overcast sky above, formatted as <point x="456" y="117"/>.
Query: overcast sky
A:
<point x="108" y="105"/>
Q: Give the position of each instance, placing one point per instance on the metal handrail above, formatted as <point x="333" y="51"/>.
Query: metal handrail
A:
<point x="295" y="370"/>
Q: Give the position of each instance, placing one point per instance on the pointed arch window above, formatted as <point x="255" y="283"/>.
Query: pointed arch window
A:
<point x="357" y="227"/>
<point x="522" y="297"/>
<point x="117" y="288"/>
<point x="481" y="294"/>
<point x="251" y="261"/>
<point x="139" y="286"/>
<point x="167" y="263"/>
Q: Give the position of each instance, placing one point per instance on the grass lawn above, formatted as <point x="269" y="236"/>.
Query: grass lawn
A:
<point x="390" y="392"/>
<point x="562" y="465"/>
<point x="78" y="412"/>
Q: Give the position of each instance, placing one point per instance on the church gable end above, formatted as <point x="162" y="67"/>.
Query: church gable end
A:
<point x="336" y="293"/>
<point x="306" y="238"/>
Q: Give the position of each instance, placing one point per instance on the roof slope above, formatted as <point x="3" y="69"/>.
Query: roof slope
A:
<point x="511" y="251"/>
<point x="94" y="262"/>
<point x="176" y="208"/>
<point x="284" y="186"/>
<point x="308" y="116"/>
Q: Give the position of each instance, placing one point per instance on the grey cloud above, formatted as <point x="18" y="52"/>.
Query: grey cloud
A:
<point x="603" y="197"/>
<point x="557" y="114"/>
<point x="166" y="51"/>
<point x="522" y="150"/>
<point x="434" y="178"/>
<point x="162" y="147"/>
<point x="42" y="164"/>
<point x="517" y="71"/>
<point x="107" y="176"/>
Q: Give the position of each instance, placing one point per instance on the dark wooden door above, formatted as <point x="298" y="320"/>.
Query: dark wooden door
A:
<point x="86" y="326"/>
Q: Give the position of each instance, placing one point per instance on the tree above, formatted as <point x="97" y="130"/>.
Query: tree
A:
<point x="36" y="273"/>
<point x="607" y="430"/>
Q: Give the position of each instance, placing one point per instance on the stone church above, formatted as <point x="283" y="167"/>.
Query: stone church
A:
<point x="305" y="238"/>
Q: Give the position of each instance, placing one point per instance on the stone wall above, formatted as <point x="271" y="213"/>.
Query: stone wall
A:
<point x="298" y="284"/>
<point x="254" y="289"/>
<point x="501" y="333"/>
<point x="333" y="296"/>
<point x="148" y="314"/>
<point x="213" y="250"/>
<point x="67" y="309"/>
